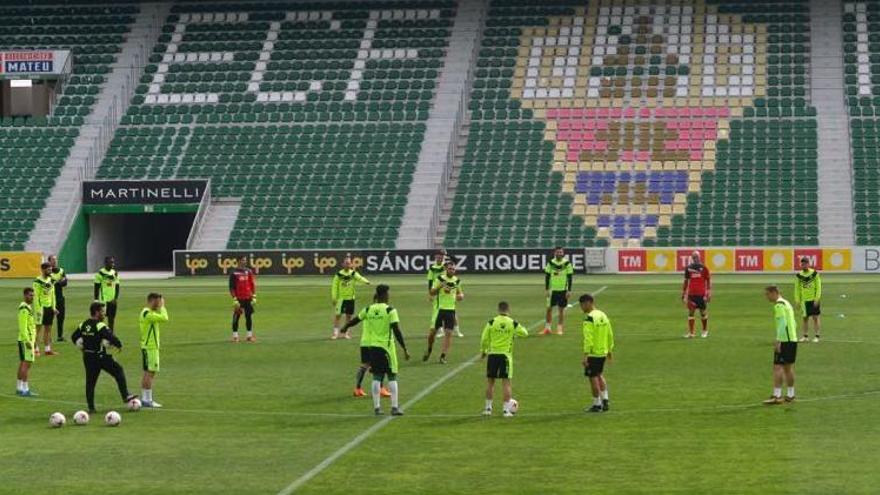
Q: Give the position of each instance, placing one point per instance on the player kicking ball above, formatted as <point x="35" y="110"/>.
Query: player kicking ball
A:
<point x="497" y="344"/>
<point x="243" y="289"/>
<point x="696" y="294"/>
<point x="447" y="290"/>
<point x="598" y="344"/>
<point x="27" y="342"/>
<point x="382" y="323"/>
<point x="784" y="348"/>
<point x="343" y="296"/>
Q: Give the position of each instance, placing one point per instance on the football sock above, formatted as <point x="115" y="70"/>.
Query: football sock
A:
<point x="235" y="333"/>
<point x="335" y="329"/>
<point x="489" y="404"/>
<point x="597" y="401"/>
<point x="48" y="348"/>
<point x="377" y="385"/>
<point x="691" y="324"/>
<point x="249" y="323"/>
<point x="360" y="376"/>
<point x="147" y="395"/>
<point x="705" y="323"/>
<point x="250" y="333"/>
<point x="24" y="386"/>
<point x="790" y="392"/>
<point x="507" y="406"/>
<point x="234" y="322"/>
<point x="777" y="392"/>
<point x="18" y="385"/>
<point x="604" y="394"/>
<point x="392" y="386"/>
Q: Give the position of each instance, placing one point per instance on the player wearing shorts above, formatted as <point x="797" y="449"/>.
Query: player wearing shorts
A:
<point x="598" y="344"/>
<point x="558" y="275"/>
<point x="696" y="294"/>
<point x="434" y="271"/>
<point x="447" y="290"/>
<point x="342" y="293"/>
<point x="496" y="343"/>
<point x="27" y="341"/>
<point x="382" y="323"/>
<point x="150" y="318"/>
<point x="366" y="343"/>
<point x="243" y="289"/>
<point x="784" y="348"/>
<point x="107" y="289"/>
<point x="44" y="296"/>
<point x="807" y="296"/>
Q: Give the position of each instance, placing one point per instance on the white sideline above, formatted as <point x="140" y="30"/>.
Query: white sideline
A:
<point x="305" y="478"/>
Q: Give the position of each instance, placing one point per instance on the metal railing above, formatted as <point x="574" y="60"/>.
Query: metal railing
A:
<point x="204" y="205"/>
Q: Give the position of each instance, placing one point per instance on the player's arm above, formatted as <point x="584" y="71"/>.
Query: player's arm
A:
<point x="252" y="283"/>
<point x="520" y="331"/>
<point x="232" y="285"/>
<point x="360" y="278"/>
<point x="334" y="288"/>
<point x="354" y="321"/>
<point x="569" y="277"/>
<point x="818" y="287"/>
<point x="546" y="281"/>
<point x="76" y="338"/>
<point x="708" y="283"/>
<point x="53" y="299"/>
<point x="24" y="331"/>
<point x="105" y="334"/>
<point x="484" y="339"/>
<point x="398" y="336"/>
<point x="62" y="282"/>
<point x="116" y="294"/>
<point x="797" y="289"/>
<point x="588" y="337"/>
<point x="160" y="316"/>
<point x="97" y="287"/>
<point x="781" y="333"/>
<point x="610" y="340"/>
<point x="684" y="287"/>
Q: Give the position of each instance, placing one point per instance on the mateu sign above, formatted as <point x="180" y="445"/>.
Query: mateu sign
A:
<point x="143" y="192"/>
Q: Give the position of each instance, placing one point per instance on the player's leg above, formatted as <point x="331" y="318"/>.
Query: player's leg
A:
<point x="150" y="363"/>
<point x="457" y="330"/>
<point x="374" y="392"/>
<point x="348" y="310"/>
<point x="788" y="372"/>
<point x="704" y="320"/>
<point x="248" y="308"/>
<point x="236" y="317"/>
<point x="111" y="315"/>
<point x="490" y="391"/>
<point x="361" y="372"/>
<point x="805" y="324"/>
<point x="817" y="327"/>
<point x="603" y="392"/>
<point x="778" y="378"/>
<point x="26" y="357"/>
<point x="433" y="331"/>
<point x="60" y="319"/>
<point x="595" y="392"/>
<point x="560" y="319"/>
<point x="115" y="370"/>
<point x="448" y="328"/>
<point x="691" y="312"/>
<point x="93" y="369"/>
<point x="548" y="320"/>
<point x="337" y="317"/>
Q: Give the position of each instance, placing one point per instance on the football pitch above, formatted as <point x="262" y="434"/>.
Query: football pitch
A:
<point x="278" y="416"/>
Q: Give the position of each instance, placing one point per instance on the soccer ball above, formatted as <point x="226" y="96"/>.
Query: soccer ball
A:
<point x="57" y="420"/>
<point x="81" y="418"/>
<point x="134" y="405"/>
<point x="112" y="418"/>
<point x="514" y="406"/>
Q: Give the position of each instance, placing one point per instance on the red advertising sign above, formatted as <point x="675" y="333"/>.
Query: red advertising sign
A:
<point x="631" y="260"/>
<point x="814" y="255"/>
<point x="749" y="260"/>
<point x="683" y="257"/>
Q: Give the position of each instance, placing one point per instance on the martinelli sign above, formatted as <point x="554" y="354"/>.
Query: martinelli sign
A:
<point x="143" y="192"/>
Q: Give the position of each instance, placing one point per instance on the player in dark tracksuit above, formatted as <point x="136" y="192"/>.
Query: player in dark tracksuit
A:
<point x="60" y="277"/>
<point x="91" y="336"/>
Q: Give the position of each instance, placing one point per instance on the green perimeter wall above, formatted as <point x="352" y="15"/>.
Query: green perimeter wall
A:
<point x="73" y="255"/>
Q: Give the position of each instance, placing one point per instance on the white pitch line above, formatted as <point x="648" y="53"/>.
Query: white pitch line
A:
<point x="305" y="478"/>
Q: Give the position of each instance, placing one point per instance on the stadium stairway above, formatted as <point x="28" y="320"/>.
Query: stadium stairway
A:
<point x="90" y="146"/>
<point x="827" y="91"/>
<point x="217" y="225"/>
<point x="433" y="170"/>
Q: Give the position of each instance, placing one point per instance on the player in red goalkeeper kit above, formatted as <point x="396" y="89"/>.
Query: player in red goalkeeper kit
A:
<point x="243" y="289"/>
<point x="696" y="294"/>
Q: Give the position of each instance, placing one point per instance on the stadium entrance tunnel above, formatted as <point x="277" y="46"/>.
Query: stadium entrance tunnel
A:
<point x="138" y="241"/>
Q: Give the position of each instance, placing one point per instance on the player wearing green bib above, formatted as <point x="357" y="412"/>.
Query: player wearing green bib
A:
<point x="27" y="341"/>
<point x="107" y="289"/>
<point x="382" y="326"/>
<point x="598" y="344"/>
<point x="807" y="295"/>
<point x="496" y="343"/>
<point x="342" y="294"/>
<point x="558" y="275"/>
<point x="59" y="277"/>
<point x="784" y="347"/>
<point x="150" y="318"/>
<point x="44" y="306"/>
<point x="447" y="290"/>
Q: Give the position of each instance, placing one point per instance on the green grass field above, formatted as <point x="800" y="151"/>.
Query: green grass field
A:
<point x="686" y="415"/>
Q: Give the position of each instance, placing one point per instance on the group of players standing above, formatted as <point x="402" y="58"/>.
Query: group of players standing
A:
<point x="43" y="303"/>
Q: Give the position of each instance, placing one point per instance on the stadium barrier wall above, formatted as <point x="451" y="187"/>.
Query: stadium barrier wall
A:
<point x="20" y="264"/>
<point x="642" y="260"/>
